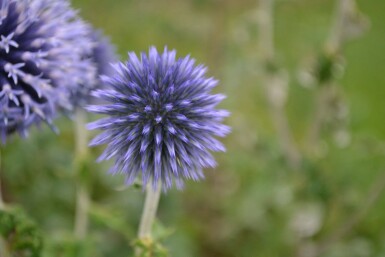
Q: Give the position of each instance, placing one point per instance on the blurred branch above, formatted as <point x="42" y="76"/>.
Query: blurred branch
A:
<point x="275" y="83"/>
<point x="348" y="23"/>
<point x="336" y="37"/>
<point x="82" y="195"/>
<point x="374" y="194"/>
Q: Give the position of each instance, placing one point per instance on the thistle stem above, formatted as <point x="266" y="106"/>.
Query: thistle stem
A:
<point x="149" y="211"/>
<point x="82" y="194"/>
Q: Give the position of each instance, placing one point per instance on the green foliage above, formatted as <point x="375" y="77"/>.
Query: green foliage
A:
<point x="111" y="220"/>
<point x="68" y="246"/>
<point x="21" y="235"/>
<point x="325" y="69"/>
<point x="153" y="247"/>
<point x="149" y="248"/>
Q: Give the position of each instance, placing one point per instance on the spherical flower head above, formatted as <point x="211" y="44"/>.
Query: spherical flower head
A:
<point x="161" y="119"/>
<point x="42" y="44"/>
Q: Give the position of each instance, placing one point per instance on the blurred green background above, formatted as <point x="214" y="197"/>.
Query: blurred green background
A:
<point x="253" y="204"/>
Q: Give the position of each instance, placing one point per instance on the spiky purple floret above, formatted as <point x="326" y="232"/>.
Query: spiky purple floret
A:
<point x="42" y="45"/>
<point x="102" y="56"/>
<point x="162" y="120"/>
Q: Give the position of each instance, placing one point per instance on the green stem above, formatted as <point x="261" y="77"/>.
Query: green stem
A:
<point x="149" y="211"/>
<point x="82" y="194"/>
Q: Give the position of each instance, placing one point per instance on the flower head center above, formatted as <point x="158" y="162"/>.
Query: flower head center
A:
<point x="157" y="112"/>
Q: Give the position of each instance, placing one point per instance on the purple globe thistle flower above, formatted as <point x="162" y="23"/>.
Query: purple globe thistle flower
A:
<point x="162" y="120"/>
<point x="42" y="44"/>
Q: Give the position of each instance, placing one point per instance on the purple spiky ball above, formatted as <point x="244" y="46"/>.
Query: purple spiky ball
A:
<point x="162" y="120"/>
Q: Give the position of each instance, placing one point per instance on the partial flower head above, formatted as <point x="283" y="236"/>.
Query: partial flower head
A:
<point x="42" y="45"/>
<point x="161" y="119"/>
<point x="102" y="56"/>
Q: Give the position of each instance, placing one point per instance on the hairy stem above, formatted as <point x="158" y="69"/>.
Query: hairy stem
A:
<point x="82" y="194"/>
<point x="275" y="83"/>
<point x="149" y="211"/>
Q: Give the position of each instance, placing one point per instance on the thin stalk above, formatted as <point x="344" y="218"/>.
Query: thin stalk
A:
<point x="275" y="84"/>
<point x="82" y="194"/>
<point x="149" y="211"/>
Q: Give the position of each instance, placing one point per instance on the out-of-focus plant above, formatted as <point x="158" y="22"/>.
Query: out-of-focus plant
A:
<point x="324" y="74"/>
